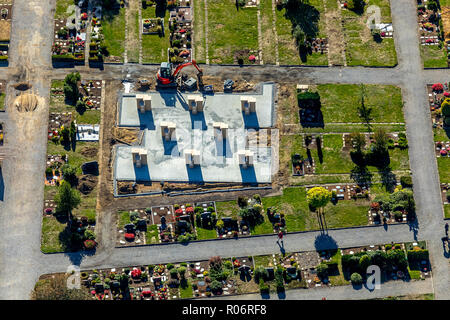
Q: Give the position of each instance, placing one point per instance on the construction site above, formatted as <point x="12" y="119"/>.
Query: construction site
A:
<point x="190" y="136"/>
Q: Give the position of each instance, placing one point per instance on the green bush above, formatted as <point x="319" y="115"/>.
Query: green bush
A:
<point x="406" y="181"/>
<point x="263" y="287"/>
<point x="170" y="266"/>
<point x="215" y="286"/>
<point x="322" y="270"/>
<point x="308" y="95"/>
<point x="418" y="255"/>
<point x="356" y="278"/>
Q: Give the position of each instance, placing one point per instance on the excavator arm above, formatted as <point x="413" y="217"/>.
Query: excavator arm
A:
<point x="194" y="63"/>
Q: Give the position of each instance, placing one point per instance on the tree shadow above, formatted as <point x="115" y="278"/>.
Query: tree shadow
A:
<point x="325" y="242"/>
<point x="388" y="178"/>
<point x="361" y="175"/>
<point x="303" y="15"/>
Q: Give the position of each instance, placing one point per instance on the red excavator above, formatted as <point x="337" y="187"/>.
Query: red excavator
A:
<point x="167" y="78"/>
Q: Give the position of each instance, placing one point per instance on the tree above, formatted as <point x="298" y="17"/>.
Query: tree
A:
<point x="67" y="198"/>
<point x="364" y="263"/>
<point x="55" y="288"/>
<point x="69" y="174"/>
<point x="358" y="141"/>
<point x="215" y="286"/>
<point x="70" y="86"/>
<point x="317" y="198"/>
<point x="299" y="36"/>
<point x="445" y="107"/>
<point x="381" y="140"/>
<point x="432" y="5"/>
<point x="65" y="136"/>
<point x="322" y="270"/>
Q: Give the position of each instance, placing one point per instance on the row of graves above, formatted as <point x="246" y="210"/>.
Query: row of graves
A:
<point x="5" y="28"/>
<point x="91" y="93"/>
<point x="302" y="166"/>
<point x="219" y="277"/>
<point x="70" y="37"/>
<point x="178" y="223"/>
<point x="180" y="26"/>
<point x="437" y="93"/>
<point x="430" y="25"/>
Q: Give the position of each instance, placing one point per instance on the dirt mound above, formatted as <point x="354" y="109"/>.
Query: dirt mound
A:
<point x="87" y="183"/>
<point x="89" y="152"/>
<point x="125" y="135"/>
<point x="445" y="16"/>
<point x="27" y="102"/>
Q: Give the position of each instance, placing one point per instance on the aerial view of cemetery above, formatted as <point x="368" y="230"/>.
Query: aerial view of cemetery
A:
<point x="225" y="149"/>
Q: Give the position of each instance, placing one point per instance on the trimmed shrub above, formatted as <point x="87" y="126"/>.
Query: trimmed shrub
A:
<point x="356" y="278"/>
<point x="406" y="181"/>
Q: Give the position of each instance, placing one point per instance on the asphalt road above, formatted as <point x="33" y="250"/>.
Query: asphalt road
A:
<point x="21" y="261"/>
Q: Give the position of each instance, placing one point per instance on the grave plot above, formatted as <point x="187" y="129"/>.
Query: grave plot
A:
<point x="70" y="29"/>
<point x="53" y="174"/>
<point x="180" y="27"/>
<point x="431" y="34"/>
<point x="365" y="46"/>
<point x="2" y="94"/>
<point x="303" y="43"/>
<point x="155" y="46"/>
<point x="108" y="33"/>
<point x="439" y="102"/>
<point x="5" y="30"/>
<point x="1" y="135"/>
<point x="163" y="217"/>
<point x="91" y="93"/>
<point x="232" y="33"/>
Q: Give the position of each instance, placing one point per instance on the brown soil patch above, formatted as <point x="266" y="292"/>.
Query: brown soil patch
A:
<point x="27" y="102"/>
<point x="125" y="135"/>
<point x="335" y="37"/>
<point x="89" y="152"/>
<point x="87" y="183"/>
<point x="5" y="29"/>
<point x="240" y="85"/>
<point x="445" y="16"/>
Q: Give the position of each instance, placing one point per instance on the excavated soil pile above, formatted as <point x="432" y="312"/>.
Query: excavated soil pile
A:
<point x="87" y="183"/>
<point x="27" y="102"/>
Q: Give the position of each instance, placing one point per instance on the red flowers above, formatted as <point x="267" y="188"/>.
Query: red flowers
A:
<point x="129" y="236"/>
<point x="89" y="244"/>
<point x="189" y="209"/>
<point x="179" y="212"/>
<point x="437" y="87"/>
<point x="136" y="273"/>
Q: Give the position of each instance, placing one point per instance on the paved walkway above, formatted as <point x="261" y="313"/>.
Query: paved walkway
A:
<point x="20" y="219"/>
<point x="388" y="289"/>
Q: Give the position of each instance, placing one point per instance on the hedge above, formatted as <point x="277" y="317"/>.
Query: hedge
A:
<point x="418" y="255"/>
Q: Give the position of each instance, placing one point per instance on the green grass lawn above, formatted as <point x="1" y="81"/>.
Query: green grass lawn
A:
<point x="443" y="166"/>
<point x="230" y="30"/>
<point x="61" y="8"/>
<point x="338" y="279"/>
<point x="2" y="101"/>
<point x="441" y="135"/>
<point x="227" y="209"/>
<point x="447" y="211"/>
<point x="361" y="48"/>
<point x="340" y="102"/>
<point x="133" y="39"/>
<point x="186" y="290"/>
<point x="151" y="236"/>
<point x="287" y="48"/>
<point x="203" y="234"/>
<point x="154" y="47"/>
<point x="268" y="33"/>
<point x="433" y="57"/>
<point x="113" y="29"/>
<point x="51" y="231"/>
<point x="199" y="43"/>
<point x="124" y="218"/>
<point x="334" y="159"/>
<point x="299" y="218"/>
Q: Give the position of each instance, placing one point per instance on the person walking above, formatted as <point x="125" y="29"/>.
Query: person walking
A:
<point x="446" y="229"/>
<point x="280" y="236"/>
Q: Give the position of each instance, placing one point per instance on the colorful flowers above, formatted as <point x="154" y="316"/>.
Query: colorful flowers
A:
<point x="89" y="244"/>
<point x="437" y="87"/>
<point x="129" y="236"/>
<point x="136" y="273"/>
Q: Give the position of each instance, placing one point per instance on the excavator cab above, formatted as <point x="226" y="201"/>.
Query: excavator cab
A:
<point x="166" y="70"/>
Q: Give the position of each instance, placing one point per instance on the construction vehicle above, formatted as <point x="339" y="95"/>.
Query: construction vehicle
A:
<point x="167" y="78"/>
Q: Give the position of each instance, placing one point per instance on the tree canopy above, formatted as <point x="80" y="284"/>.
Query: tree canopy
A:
<point x="318" y="197"/>
<point x="67" y="198"/>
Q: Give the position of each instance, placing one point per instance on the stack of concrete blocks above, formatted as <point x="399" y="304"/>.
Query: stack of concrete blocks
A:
<point x="192" y="157"/>
<point x="245" y="158"/>
<point x="220" y="130"/>
<point x="139" y="157"/>
<point x="168" y="130"/>
<point x="302" y="87"/>
<point x="248" y="104"/>
<point x="143" y="102"/>
<point x="196" y="103"/>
